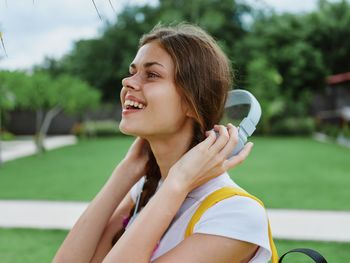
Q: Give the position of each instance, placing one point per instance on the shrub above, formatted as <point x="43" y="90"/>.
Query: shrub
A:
<point x="6" y="136"/>
<point x="103" y="128"/>
<point x="294" y="126"/>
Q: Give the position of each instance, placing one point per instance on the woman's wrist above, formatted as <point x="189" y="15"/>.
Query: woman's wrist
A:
<point x="126" y="169"/>
<point x="179" y="181"/>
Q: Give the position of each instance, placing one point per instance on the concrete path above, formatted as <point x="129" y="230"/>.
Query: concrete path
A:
<point x="285" y="224"/>
<point x="11" y="150"/>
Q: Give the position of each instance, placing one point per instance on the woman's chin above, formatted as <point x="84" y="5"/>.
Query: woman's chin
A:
<point x="128" y="130"/>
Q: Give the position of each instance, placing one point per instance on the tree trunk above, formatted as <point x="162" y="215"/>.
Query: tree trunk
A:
<point x="44" y="127"/>
<point x="39" y="120"/>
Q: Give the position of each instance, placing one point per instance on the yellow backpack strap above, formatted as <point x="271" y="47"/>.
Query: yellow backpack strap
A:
<point x="216" y="197"/>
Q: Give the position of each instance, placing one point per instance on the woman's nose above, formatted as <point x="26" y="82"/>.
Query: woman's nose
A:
<point x="131" y="83"/>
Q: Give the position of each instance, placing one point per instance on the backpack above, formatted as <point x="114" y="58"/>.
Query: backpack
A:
<point x="227" y="192"/>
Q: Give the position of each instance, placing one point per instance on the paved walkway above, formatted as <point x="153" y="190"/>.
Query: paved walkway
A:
<point x="286" y="224"/>
<point x="11" y="150"/>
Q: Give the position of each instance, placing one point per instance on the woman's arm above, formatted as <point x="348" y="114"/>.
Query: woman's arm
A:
<point x="206" y="248"/>
<point x="82" y="241"/>
<point x="140" y="239"/>
<point x="113" y="226"/>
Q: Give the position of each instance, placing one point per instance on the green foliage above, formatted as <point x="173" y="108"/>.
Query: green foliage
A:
<point x="73" y="95"/>
<point x="48" y="97"/>
<point x="294" y="126"/>
<point x="333" y="131"/>
<point x="36" y="92"/>
<point x="264" y="82"/>
<point x="282" y="58"/>
<point x="303" y="50"/>
<point x="280" y="40"/>
<point x="221" y="18"/>
<point x="40" y="91"/>
<point x="103" y="62"/>
<point x="8" y="97"/>
<point x="9" y="81"/>
<point x="104" y="128"/>
<point x="5" y="135"/>
<point x="346" y="131"/>
<point x="328" y="31"/>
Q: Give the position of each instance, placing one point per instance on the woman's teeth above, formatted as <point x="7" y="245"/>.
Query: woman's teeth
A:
<point x="133" y="104"/>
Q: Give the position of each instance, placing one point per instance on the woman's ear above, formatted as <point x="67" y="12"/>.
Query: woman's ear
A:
<point x="190" y="113"/>
<point x="188" y="110"/>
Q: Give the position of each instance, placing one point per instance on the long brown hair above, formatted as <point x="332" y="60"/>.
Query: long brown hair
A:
<point x="203" y="77"/>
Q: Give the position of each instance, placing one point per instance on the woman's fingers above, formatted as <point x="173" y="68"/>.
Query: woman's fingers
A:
<point x="232" y="142"/>
<point x="211" y="138"/>
<point x="239" y="158"/>
<point x="221" y="140"/>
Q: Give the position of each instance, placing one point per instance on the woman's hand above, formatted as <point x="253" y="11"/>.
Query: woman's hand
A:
<point x="208" y="159"/>
<point x="134" y="163"/>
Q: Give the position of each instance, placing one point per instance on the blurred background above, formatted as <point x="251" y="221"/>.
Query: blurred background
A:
<point x="61" y="66"/>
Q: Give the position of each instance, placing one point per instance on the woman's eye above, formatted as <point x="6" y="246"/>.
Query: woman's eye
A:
<point x="151" y="75"/>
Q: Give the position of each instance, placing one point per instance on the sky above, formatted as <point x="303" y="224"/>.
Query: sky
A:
<point x="33" y="29"/>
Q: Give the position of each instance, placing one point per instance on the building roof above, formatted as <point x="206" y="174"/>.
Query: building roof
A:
<point x="338" y="78"/>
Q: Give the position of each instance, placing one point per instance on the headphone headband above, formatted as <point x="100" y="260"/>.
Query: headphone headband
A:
<point x="249" y="123"/>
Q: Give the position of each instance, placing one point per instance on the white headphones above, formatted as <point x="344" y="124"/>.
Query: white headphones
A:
<point x="248" y="124"/>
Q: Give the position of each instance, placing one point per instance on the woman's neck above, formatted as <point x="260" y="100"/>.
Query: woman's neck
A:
<point x="168" y="151"/>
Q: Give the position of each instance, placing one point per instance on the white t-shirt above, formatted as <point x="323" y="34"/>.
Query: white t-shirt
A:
<point x="237" y="217"/>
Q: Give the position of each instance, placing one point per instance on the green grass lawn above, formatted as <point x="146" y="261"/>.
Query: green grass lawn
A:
<point x="39" y="246"/>
<point x="69" y="173"/>
<point x="283" y="172"/>
<point x="297" y="173"/>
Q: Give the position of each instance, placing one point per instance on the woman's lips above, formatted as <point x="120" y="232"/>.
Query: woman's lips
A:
<point x="130" y="110"/>
<point x="133" y="98"/>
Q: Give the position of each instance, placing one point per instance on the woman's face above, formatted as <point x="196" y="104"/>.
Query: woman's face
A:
<point x="151" y="104"/>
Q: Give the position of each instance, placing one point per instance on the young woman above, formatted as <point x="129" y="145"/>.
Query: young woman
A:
<point x="172" y="103"/>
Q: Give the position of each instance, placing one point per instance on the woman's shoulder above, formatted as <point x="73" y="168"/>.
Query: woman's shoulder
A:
<point x="239" y="214"/>
<point x="237" y="217"/>
<point x="212" y="185"/>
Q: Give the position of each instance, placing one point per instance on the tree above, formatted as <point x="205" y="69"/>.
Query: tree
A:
<point x="7" y="99"/>
<point x="280" y="40"/>
<point x="49" y="97"/>
<point x="301" y="48"/>
<point x="328" y="31"/>
<point x="221" y="18"/>
<point x="264" y="82"/>
<point x="104" y="61"/>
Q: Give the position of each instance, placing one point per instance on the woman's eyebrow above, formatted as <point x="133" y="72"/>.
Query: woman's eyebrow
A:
<point x="146" y="65"/>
